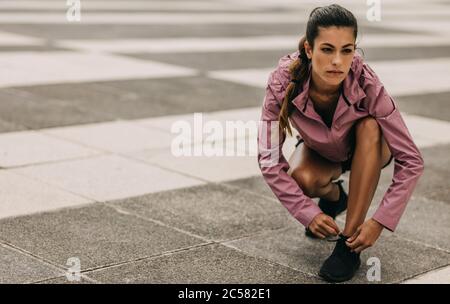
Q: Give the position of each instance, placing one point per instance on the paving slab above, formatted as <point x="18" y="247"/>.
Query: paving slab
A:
<point x="210" y="168"/>
<point x="33" y="112"/>
<point x="256" y="184"/>
<point x="102" y="31"/>
<point x="64" y="280"/>
<point x="7" y="126"/>
<point x="399" y="259"/>
<point x="117" y="136"/>
<point x="212" y="211"/>
<point x="399" y="53"/>
<point x="212" y="264"/>
<point x="426" y="221"/>
<point x="220" y="60"/>
<point x="107" y="177"/>
<point x="98" y="235"/>
<point x="433" y="183"/>
<point x="23" y="195"/>
<point x="143" y="98"/>
<point x="436" y="105"/>
<point x="438" y="276"/>
<point x="18" y="268"/>
<point x="31" y="147"/>
<point x="69" y="67"/>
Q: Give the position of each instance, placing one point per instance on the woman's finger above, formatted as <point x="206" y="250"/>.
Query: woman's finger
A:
<point x="328" y="229"/>
<point x="318" y="234"/>
<point x="322" y="231"/>
<point x="354" y="236"/>
<point x="355" y="244"/>
<point x="333" y="225"/>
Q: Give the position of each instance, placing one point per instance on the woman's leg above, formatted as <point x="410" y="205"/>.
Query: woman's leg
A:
<point x="314" y="173"/>
<point x="370" y="155"/>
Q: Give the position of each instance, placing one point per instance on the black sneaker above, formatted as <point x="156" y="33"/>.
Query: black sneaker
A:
<point x="342" y="264"/>
<point x="332" y="209"/>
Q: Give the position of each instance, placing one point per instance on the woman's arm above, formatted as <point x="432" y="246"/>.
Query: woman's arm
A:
<point x="408" y="161"/>
<point x="272" y="162"/>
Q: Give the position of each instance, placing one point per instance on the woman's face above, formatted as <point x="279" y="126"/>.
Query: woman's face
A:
<point x="334" y="49"/>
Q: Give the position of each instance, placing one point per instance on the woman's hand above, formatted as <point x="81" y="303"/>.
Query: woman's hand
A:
<point x="365" y="236"/>
<point x="323" y="225"/>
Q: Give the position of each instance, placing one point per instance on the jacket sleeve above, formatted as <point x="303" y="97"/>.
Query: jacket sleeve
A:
<point x="408" y="162"/>
<point x="272" y="162"/>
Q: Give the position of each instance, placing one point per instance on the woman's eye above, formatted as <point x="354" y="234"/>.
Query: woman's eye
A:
<point x="348" y="51"/>
<point x="326" y="50"/>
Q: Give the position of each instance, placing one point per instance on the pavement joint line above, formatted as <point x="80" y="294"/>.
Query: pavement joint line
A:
<point x="421" y="243"/>
<point x="56" y="161"/>
<point x="150" y="257"/>
<point x="44" y="261"/>
<point x="18" y="92"/>
<point x="155" y="164"/>
<point x="62" y="277"/>
<point x="74" y="141"/>
<point x="422" y="273"/>
<point x="208" y="241"/>
<point x="399" y="236"/>
<point x="73" y="207"/>
<point x="131" y="213"/>
<point x="245" y="236"/>
<point x="93" y="200"/>
<point x="217" y="241"/>
<point x="171" y="252"/>
<point x="269" y="261"/>
<point x="226" y="184"/>
<point x="249" y="191"/>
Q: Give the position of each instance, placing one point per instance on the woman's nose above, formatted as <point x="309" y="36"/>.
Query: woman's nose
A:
<point x="337" y="60"/>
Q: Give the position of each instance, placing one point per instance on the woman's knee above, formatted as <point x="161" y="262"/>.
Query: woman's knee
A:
<point x="368" y="131"/>
<point x="308" y="181"/>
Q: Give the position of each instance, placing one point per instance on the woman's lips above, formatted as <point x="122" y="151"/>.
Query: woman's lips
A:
<point x="334" y="73"/>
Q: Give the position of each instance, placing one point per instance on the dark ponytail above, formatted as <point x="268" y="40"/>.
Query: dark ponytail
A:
<point x="298" y="71"/>
<point x="331" y="15"/>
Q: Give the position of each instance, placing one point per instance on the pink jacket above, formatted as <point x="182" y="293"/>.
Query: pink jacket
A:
<point x="363" y="95"/>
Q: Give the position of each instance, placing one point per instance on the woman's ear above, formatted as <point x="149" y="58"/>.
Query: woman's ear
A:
<point x="308" y="49"/>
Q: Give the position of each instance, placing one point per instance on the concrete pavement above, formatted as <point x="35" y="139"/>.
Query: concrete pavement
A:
<point x="88" y="180"/>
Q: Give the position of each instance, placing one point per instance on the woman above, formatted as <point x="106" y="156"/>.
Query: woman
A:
<point x="346" y="120"/>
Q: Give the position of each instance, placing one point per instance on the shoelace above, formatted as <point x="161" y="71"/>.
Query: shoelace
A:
<point x="336" y="237"/>
<point x="332" y="238"/>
